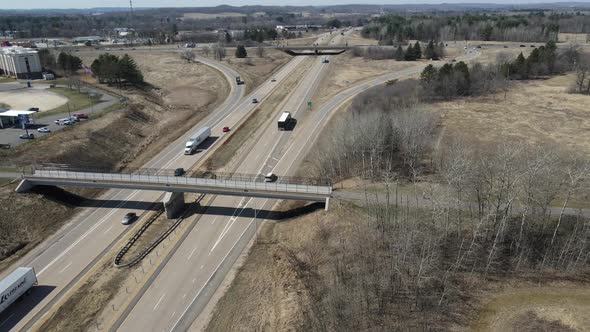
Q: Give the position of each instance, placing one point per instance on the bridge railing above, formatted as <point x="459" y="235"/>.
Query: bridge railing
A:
<point x="226" y="181"/>
<point x="193" y="174"/>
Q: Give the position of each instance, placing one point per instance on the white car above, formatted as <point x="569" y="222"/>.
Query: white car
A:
<point x="44" y="130"/>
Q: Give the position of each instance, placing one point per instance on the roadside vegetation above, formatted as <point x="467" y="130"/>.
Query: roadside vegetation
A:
<point x="76" y="101"/>
<point x="129" y="137"/>
<point x="534" y="26"/>
<point x="449" y="224"/>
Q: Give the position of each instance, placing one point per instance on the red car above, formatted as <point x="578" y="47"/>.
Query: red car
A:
<point x="225" y="129"/>
<point x="80" y="115"/>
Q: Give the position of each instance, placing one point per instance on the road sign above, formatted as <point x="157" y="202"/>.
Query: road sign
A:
<point x="23" y="119"/>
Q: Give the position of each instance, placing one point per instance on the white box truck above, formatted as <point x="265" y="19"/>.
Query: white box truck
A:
<point x="284" y="121"/>
<point x="15" y="285"/>
<point x="198" y="138"/>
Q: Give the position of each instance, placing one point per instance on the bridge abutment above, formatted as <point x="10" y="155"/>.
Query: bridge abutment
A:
<point x="173" y="204"/>
<point x="24" y="186"/>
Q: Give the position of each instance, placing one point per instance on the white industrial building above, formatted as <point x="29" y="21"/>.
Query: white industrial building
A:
<point x="20" y="62"/>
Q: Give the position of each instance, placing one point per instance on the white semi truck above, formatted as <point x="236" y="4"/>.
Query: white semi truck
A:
<point x="15" y="285"/>
<point x="198" y="138"/>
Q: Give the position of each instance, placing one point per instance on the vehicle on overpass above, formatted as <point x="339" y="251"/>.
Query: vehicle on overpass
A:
<point x="193" y="142"/>
<point x="15" y="285"/>
<point x="284" y="121"/>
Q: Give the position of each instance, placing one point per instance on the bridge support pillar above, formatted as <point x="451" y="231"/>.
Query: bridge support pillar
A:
<point x="24" y="186"/>
<point x="327" y="203"/>
<point x="173" y="204"/>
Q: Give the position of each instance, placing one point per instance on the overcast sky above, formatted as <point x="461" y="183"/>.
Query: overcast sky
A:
<point x="29" y="4"/>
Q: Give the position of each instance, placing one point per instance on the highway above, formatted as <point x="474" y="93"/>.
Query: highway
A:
<point x="183" y="288"/>
<point x="180" y="291"/>
<point x="66" y="256"/>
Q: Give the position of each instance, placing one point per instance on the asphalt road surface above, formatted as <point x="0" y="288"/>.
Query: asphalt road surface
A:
<point x="65" y="257"/>
<point x="183" y="287"/>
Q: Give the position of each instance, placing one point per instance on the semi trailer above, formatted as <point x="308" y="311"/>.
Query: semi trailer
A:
<point x="15" y="285"/>
<point x="198" y="138"/>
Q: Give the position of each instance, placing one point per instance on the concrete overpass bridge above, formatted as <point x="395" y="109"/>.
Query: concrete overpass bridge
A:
<point x="175" y="186"/>
<point x="314" y="50"/>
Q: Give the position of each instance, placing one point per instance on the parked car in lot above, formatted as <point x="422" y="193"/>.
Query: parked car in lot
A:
<point x="74" y="119"/>
<point x="26" y="136"/>
<point x="129" y="218"/>
<point x="225" y="129"/>
<point x="44" y="130"/>
<point x="80" y="115"/>
<point x="179" y="171"/>
<point x="63" y="122"/>
<point x="33" y="109"/>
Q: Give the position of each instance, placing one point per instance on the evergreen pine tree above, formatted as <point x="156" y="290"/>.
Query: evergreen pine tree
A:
<point x="241" y="52"/>
<point x="399" y="54"/>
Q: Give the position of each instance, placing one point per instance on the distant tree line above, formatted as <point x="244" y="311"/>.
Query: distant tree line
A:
<point x="433" y="50"/>
<point x="111" y="69"/>
<point x="392" y="29"/>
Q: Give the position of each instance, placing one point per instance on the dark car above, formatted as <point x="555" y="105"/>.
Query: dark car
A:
<point x="179" y="171"/>
<point x="129" y="218"/>
<point x="33" y="109"/>
<point x="522" y="45"/>
<point x="26" y="136"/>
<point x="80" y="115"/>
<point x="225" y="129"/>
<point x="254" y="101"/>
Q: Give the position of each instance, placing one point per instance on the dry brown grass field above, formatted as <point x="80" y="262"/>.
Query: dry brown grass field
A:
<point x="537" y="111"/>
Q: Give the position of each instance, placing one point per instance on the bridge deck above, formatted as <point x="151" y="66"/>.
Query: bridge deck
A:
<point x="179" y="184"/>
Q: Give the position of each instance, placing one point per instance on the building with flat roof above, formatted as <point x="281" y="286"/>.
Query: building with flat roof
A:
<point x="20" y="62"/>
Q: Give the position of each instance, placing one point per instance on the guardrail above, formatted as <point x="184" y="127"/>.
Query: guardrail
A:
<point x="133" y="240"/>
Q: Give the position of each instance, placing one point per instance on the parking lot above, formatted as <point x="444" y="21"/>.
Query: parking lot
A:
<point x="10" y="136"/>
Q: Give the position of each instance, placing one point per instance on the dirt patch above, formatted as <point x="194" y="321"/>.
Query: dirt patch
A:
<point x="18" y="234"/>
<point x="23" y="99"/>
<point x="539" y="112"/>
<point x="346" y="70"/>
<point x="529" y="308"/>
<point x="78" y="311"/>
<point x="255" y="70"/>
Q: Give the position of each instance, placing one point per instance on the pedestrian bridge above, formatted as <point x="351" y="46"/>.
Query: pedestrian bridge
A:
<point x="208" y="183"/>
<point x="314" y="50"/>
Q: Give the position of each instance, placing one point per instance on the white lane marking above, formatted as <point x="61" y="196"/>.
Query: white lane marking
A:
<point x="108" y="229"/>
<point x="231" y="222"/>
<point x="202" y="266"/>
<point x="191" y="255"/>
<point x="85" y="234"/>
<point x="160" y="300"/>
<point x="194" y="280"/>
<point x="213" y="221"/>
<point x="81" y="223"/>
<point x="184" y="295"/>
<point x="174" y="313"/>
<point x="7" y="319"/>
<point x="70" y="263"/>
<point x="212" y="274"/>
